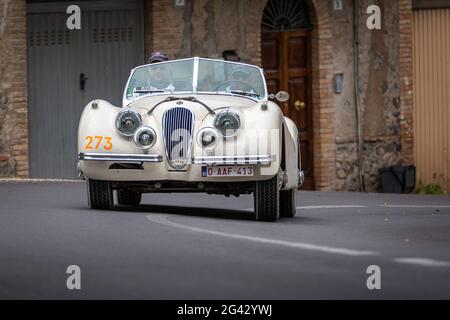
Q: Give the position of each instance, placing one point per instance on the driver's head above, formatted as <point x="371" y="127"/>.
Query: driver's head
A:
<point x="240" y="73"/>
<point x="239" y="78"/>
<point x="158" y="56"/>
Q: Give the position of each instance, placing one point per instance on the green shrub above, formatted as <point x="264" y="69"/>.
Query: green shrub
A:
<point x="439" y="186"/>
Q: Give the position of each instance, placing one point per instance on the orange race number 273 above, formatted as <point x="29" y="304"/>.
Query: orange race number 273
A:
<point x="98" y="142"/>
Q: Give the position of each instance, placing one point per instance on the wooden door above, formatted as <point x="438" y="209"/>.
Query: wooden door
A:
<point x="286" y="62"/>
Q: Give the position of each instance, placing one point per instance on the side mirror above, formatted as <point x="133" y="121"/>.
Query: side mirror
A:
<point x="282" y="96"/>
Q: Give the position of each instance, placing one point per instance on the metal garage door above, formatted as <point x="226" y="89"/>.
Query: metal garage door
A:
<point x="68" y="68"/>
<point x="432" y="95"/>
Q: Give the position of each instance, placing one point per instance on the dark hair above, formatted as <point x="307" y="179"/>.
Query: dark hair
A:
<point x="158" y="56"/>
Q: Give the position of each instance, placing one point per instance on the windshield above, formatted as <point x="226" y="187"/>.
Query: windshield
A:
<point x="226" y="77"/>
<point x="213" y="76"/>
<point x="161" y="77"/>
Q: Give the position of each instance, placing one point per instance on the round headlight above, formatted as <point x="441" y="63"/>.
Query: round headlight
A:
<point x="227" y="122"/>
<point x="207" y="138"/>
<point x="127" y="122"/>
<point x="145" y="137"/>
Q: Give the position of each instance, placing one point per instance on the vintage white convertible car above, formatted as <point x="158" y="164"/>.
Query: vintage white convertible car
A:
<point x="192" y="125"/>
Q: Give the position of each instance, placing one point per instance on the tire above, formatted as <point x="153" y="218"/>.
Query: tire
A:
<point x="129" y="198"/>
<point x="100" y="194"/>
<point x="267" y="200"/>
<point x="287" y="204"/>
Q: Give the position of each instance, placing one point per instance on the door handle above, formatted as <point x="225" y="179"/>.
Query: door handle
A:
<point x="83" y="80"/>
<point x="299" y="105"/>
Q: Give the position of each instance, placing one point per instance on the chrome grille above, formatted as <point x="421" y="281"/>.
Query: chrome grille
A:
<point x="178" y="123"/>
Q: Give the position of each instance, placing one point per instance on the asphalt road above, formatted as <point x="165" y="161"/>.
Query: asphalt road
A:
<point x="195" y="246"/>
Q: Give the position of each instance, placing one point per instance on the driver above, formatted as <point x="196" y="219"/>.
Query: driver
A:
<point x="159" y="78"/>
<point x="239" y="80"/>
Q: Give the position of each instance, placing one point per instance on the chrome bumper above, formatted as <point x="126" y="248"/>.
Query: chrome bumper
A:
<point x="232" y="160"/>
<point x="120" y="157"/>
<point x="211" y="160"/>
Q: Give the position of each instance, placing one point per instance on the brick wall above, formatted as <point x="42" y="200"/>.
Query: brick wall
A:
<point x="167" y="27"/>
<point x="406" y="82"/>
<point x="13" y="89"/>
<point x="148" y="36"/>
<point x="323" y="110"/>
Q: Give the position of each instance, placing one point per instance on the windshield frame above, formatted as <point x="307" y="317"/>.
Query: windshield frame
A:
<point x="194" y="91"/>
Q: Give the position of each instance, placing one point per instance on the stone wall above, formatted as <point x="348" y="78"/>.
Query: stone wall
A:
<point x="13" y="89"/>
<point x="380" y="96"/>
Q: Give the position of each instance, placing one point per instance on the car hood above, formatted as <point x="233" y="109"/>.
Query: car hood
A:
<point x="214" y="101"/>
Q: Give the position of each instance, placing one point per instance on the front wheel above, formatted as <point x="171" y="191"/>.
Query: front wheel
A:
<point x="129" y="198"/>
<point x="267" y="200"/>
<point x="287" y="204"/>
<point x="100" y="194"/>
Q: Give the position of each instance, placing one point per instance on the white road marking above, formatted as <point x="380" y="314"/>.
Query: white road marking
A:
<point x="20" y="180"/>
<point x="414" y="206"/>
<point x="399" y="206"/>
<point x="162" y="219"/>
<point x="331" y="207"/>
<point x="324" y="207"/>
<point x="423" y="262"/>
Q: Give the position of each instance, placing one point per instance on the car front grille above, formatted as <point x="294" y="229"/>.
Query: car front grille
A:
<point x="178" y="123"/>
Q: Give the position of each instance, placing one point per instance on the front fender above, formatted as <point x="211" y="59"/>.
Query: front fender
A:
<point x="97" y="132"/>
<point x="291" y="154"/>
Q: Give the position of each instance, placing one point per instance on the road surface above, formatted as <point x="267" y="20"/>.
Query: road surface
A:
<point x="196" y="246"/>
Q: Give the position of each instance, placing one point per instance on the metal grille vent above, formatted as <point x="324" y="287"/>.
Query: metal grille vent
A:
<point x="178" y="123"/>
<point x="48" y="38"/>
<point x="123" y="34"/>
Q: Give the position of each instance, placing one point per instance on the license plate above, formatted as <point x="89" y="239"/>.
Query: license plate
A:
<point x="227" y="171"/>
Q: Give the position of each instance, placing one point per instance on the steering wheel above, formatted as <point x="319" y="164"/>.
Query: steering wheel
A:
<point x="241" y="84"/>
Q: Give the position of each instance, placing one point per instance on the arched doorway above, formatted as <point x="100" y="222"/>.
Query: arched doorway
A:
<point x="286" y="59"/>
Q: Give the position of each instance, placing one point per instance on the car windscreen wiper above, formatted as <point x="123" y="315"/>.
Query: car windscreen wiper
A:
<point x="245" y="93"/>
<point x="148" y="91"/>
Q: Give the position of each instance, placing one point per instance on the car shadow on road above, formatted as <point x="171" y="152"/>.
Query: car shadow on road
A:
<point x="190" y="211"/>
<point x="215" y="213"/>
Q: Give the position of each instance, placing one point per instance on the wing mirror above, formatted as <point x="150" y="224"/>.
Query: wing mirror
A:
<point x="281" y="96"/>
